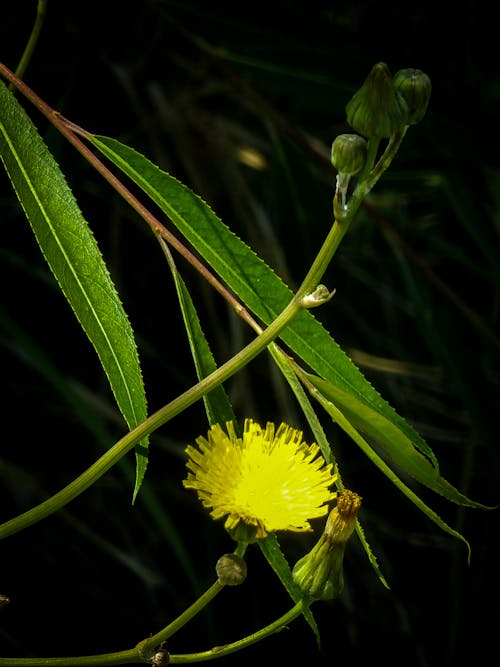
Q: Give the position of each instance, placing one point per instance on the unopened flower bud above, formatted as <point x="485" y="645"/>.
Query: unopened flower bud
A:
<point x="377" y="109"/>
<point x="349" y="153"/>
<point x="415" y="87"/>
<point x="231" y="570"/>
<point x="319" y="574"/>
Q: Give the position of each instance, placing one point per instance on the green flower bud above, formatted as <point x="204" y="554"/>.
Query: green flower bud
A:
<point x="377" y="109"/>
<point x="231" y="570"/>
<point x="319" y="574"/>
<point x="415" y="87"/>
<point x="349" y="153"/>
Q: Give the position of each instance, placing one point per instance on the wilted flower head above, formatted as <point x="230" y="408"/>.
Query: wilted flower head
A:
<point x="319" y="574"/>
<point x="267" y="480"/>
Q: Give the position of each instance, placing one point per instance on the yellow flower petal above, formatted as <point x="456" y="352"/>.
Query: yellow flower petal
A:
<point x="268" y="480"/>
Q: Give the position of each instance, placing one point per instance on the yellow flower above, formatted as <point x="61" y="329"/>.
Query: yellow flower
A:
<point x="268" y="480"/>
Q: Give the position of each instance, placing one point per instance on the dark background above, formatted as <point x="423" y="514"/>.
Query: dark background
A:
<point x="190" y="84"/>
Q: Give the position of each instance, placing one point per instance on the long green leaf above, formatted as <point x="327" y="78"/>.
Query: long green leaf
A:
<point x="71" y="251"/>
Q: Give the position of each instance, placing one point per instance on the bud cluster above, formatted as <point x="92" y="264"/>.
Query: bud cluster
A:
<point x="384" y="105"/>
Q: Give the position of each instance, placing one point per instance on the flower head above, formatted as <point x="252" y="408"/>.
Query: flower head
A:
<point x="265" y="481"/>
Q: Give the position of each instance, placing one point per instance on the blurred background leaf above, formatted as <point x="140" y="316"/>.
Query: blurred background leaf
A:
<point x="242" y="104"/>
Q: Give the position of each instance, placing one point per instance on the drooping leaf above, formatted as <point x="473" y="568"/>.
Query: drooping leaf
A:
<point x="74" y="258"/>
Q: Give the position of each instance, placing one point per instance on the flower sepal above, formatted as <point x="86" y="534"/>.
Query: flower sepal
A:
<point x="242" y="531"/>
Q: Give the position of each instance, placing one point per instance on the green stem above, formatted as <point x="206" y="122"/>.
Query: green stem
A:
<point x="368" y="181"/>
<point x="33" y="39"/>
<point x="146" y="647"/>
<point x="371" y="155"/>
<point x="220" y="651"/>
<point x="142" y="653"/>
<point x="164" y="414"/>
<point x="118" y="658"/>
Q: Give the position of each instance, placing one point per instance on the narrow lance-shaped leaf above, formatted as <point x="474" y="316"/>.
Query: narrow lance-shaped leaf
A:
<point x="217" y="404"/>
<point x="73" y="256"/>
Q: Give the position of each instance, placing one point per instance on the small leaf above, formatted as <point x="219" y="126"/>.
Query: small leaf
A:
<point x="71" y="251"/>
